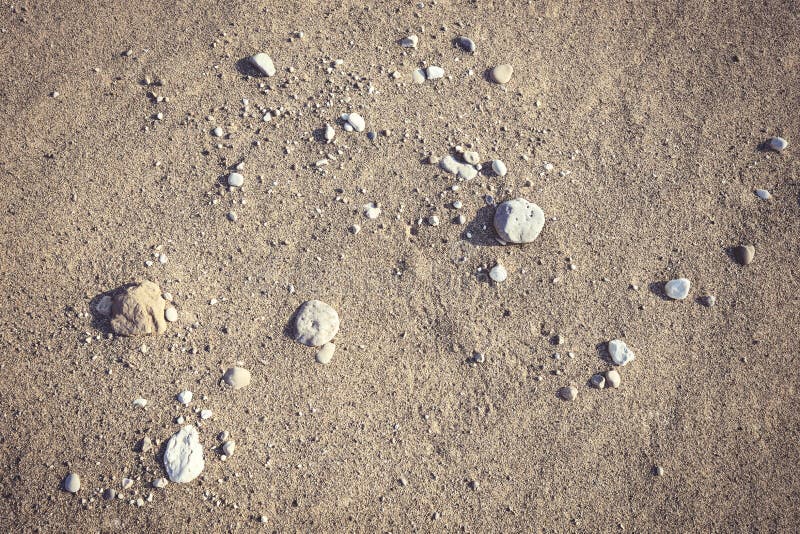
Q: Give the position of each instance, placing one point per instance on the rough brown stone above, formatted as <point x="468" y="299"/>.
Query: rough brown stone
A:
<point x="138" y="310"/>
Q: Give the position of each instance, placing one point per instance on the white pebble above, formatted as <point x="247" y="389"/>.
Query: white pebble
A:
<point x="356" y="121"/>
<point x="235" y="179"/>
<point x="778" y="144"/>
<point x="72" y="483"/>
<point x="498" y="273"/>
<point x="185" y="397"/>
<point x="409" y="42"/>
<point x="371" y="211"/>
<point x="499" y="167"/>
<point x="763" y="194"/>
<point x="518" y="221"/>
<point x="329" y="133"/>
<point x="206" y="414"/>
<point x="183" y="457"/>
<point x="325" y="354"/>
<point x="263" y="63"/>
<point x="171" y="314"/>
<point x="613" y="379"/>
<point x="677" y="289"/>
<point x="434" y="73"/>
<point x="620" y="353"/>
<point x="316" y="323"/>
<point x="228" y="447"/>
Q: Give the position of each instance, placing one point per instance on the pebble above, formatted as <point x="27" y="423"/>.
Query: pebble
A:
<point x="613" y="379"/>
<point x="620" y="353"/>
<point x="228" y="447"/>
<point x="237" y="377"/>
<point x="498" y="273"/>
<point x="518" y="221"/>
<point x="138" y="310"/>
<point x="160" y="483"/>
<point x="418" y="76"/>
<point x="471" y="157"/>
<point x="140" y="403"/>
<point x="356" y="121"/>
<point x="433" y="220"/>
<point x="499" y="168"/>
<point x="232" y="216"/>
<point x="744" y="254"/>
<point x="465" y="43"/>
<point x="658" y="471"/>
<point x="72" y="483"/>
<point x="372" y="211"/>
<point x="778" y="144"/>
<point x="316" y="323"/>
<point x="263" y="63"/>
<point x="598" y="381"/>
<point x="461" y="219"/>
<point x="183" y="457"/>
<point x="568" y="393"/>
<point x="329" y="133"/>
<point x="325" y="354"/>
<point x="763" y="194"/>
<point x="235" y="179"/>
<point x="217" y="132"/>
<point x="206" y="414"/>
<point x="145" y="444"/>
<point x="479" y="357"/>
<point x="678" y="288"/>
<point x="171" y="314"/>
<point x="185" y="397"/>
<point x="409" y="42"/>
<point x="458" y="204"/>
<point x="502" y="73"/>
<point x="127" y="483"/>
<point x="708" y="300"/>
<point x="449" y="164"/>
<point x="434" y="73"/>
<point x="109" y="494"/>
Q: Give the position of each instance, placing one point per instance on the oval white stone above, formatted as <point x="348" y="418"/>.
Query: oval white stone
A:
<point x="620" y="353"/>
<point x="235" y="179"/>
<point x="518" y="221"/>
<point x="325" y="354"/>
<point x="677" y="289"/>
<point x="72" y="483"/>
<point x="316" y="323"/>
<point x="499" y="167"/>
<point x="778" y="144"/>
<point x="356" y="121"/>
<point x="183" y="457"/>
<point x="263" y="63"/>
<point x="498" y="273"/>
<point x="434" y="73"/>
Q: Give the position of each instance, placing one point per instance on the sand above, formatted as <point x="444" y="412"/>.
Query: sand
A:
<point x="656" y="109"/>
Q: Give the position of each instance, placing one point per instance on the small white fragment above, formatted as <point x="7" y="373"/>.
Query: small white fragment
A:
<point x="499" y="167"/>
<point x="325" y="354"/>
<point x="434" y="73"/>
<point x="329" y="133"/>
<point x="171" y="314"/>
<point x="763" y="194"/>
<point x="183" y="457"/>
<point x="185" y="397"/>
<point x="620" y="353"/>
<point x="498" y="273"/>
<point x="409" y="42"/>
<point x="228" y="447"/>
<point x="677" y="289"/>
<point x="235" y="179"/>
<point x="140" y="403"/>
<point x="206" y="414"/>
<point x="356" y="121"/>
<point x="418" y="75"/>
<point x="372" y="211"/>
<point x="263" y="63"/>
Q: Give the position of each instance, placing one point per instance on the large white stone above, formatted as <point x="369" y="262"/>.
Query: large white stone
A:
<point x="677" y="289"/>
<point x="183" y="458"/>
<point x="316" y="323"/>
<point x="620" y="353"/>
<point x="518" y="221"/>
<point x="263" y="63"/>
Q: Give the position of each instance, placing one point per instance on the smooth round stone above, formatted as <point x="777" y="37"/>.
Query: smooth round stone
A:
<point x="499" y="168"/>
<point x="778" y="144"/>
<point x="620" y="353"/>
<point x="171" y="314"/>
<point x="237" y="377"/>
<point x="325" y="354"/>
<point x="434" y="73"/>
<point x="502" y="73"/>
<point x="518" y="221"/>
<point x="677" y="289"/>
<point x="235" y="179"/>
<point x="418" y="75"/>
<point x="185" y="397"/>
<point x="183" y="457"/>
<point x="613" y="379"/>
<point x="498" y="273"/>
<point x="744" y="254"/>
<point x="316" y="323"/>
<point x="471" y="157"/>
<point x="263" y="63"/>
<point x="356" y="121"/>
<point x="217" y="132"/>
<point x="598" y="381"/>
<point x="763" y="194"/>
<point x="72" y="483"/>
<point x="568" y="393"/>
<point x="466" y="44"/>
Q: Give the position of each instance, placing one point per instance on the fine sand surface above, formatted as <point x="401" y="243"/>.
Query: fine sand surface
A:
<point x="655" y="110"/>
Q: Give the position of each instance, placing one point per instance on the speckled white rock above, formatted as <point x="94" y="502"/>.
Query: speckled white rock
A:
<point x="372" y="211"/>
<point x="325" y="354"/>
<point x="263" y="63"/>
<point x="316" y="323"/>
<point x="237" y="377"/>
<point x="498" y="273"/>
<point x="235" y="179"/>
<point x="778" y="144"/>
<point x="677" y="289"/>
<point x="499" y="168"/>
<point x="620" y="353"/>
<point x="449" y="164"/>
<point x="72" y="482"/>
<point x="472" y="157"/>
<point x="183" y="457"/>
<point x="518" y="221"/>
<point x="434" y="73"/>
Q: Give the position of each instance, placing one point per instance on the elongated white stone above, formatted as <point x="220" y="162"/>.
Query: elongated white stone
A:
<point x="183" y="457"/>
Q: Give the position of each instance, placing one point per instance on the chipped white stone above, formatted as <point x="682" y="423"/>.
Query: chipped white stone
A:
<point x="356" y="122"/>
<point x="434" y="73"/>
<point x="235" y="179"/>
<point x="228" y="447"/>
<point x="372" y="211"/>
<point x="409" y="42"/>
<point x="185" y="397"/>
<point x="620" y="353"/>
<point x="329" y="133"/>
<point x="325" y="354"/>
<point x="140" y="403"/>
<point x="518" y="221"/>
<point x="498" y="273"/>
<point x="471" y="157"/>
<point x="678" y="288"/>
<point x="778" y="144"/>
<point x="237" y="377"/>
<point x="183" y="457"/>
<point x="206" y="414"/>
<point x="418" y="75"/>
<point x="263" y="63"/>
<point x="763" y="194"/>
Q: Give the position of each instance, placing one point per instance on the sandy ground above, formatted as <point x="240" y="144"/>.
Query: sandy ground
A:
<point x="655" y="109"/>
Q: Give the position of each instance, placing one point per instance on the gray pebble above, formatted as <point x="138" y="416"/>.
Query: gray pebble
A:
<point x="568" y="393"/>
<point x="744" y="254"/>
<point x="518" y="221"/>
<point x="461" y="219"/>
<point x="235" y="179"/>
<point x="478" y="357"/>
<point x="598" y="381"/>
<point x="620" y="353"/>
<point x="466" y="44"/>
<point x="72" y="483"/>
<point x="678" y="288"/>
<point x="778" y="144"/>
<point x="499" y="167"/>
<point x="217" y="132"/>
<point x="232" y="216"/>
<point x="409" y="42"/>
<point x="763" y="194"/>
<point x="471" y="157"/>
<point x="109" y="494"/>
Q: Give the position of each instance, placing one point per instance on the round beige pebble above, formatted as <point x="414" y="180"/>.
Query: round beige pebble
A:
<point x="502" y="73"/>
<point x="171" y="314"/>
<point x="613" y="379"/>
<point x="237" y="377"/>
<point x="325" y="354"/>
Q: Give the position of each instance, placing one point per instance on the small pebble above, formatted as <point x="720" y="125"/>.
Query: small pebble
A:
<point x="228" y="447"/>
<point x="502" y="73"/>
<point x="316" y="323"/>
<point x="458" y="205"/>
<point x="237" y="377"/>
<point x="658" y="471"/>
<point x="763" y="194"/>
<point x="160" y="483"/>
<point x="471" y="157"/>
<point x="185" y="397"/>
<point x="744" y="254"/>
<point x="466" y="44"/>
<point x="499" y="168"/>
<point x="461" y="219"/>
<point x="171" y="314"/>
<point x="206" y="414"/>
<point x="778" y="144"/>
<point x="109" y="494"/>
<point x="140" y="403"/>
<point x="217" y="132"/>
<point x="330" y="132"/>
<point x="409" y="42"/>
<point x="263" y="63"/>
<point x="620" y="353"/>
<point x="434" y="73"/>
<point x="72" y="483"/>
<point x="613" y="378"/>
<point x="518" y="221"/>
<point x="372" y="211"/>
<point x="356" y="121"/>
<point x="708" y="300"/>
<point x="598" y="381"/>
<point x="232" y="216"/>
<point x="498" y="273"/>
<point x="325" y="354"/>
<point x="568" y="393"/>
<point x="433" y="220"/>
<point x="678" y="288"/>
<point x="145" y="444"/>
<point x="418" y="75"/>
<point x="235" y="179"/>
<point x="479" y="357"/>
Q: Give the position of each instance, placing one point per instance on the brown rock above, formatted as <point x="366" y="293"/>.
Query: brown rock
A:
<point x="502" y="73"/>
<point x="138" y="309"/>
<point x="744" y="254"/>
